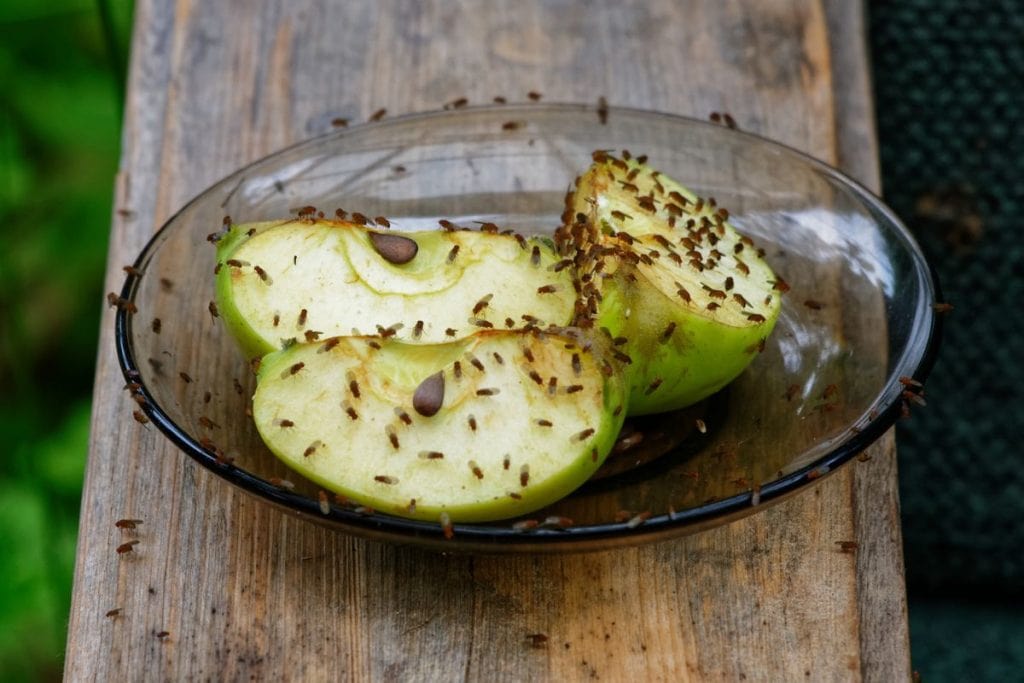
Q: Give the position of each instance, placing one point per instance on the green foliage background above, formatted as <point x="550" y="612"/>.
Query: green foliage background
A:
<point x="62" y="70"/>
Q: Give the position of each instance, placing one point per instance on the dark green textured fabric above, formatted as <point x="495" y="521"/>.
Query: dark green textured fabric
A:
<point x="957" y="640"/>
<point x="949" y="84"/>
<point x="949" y="95"/>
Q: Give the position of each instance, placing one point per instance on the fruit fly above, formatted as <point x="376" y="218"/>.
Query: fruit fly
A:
<point x="446" y="526"/>
<point x="127" y="546"/>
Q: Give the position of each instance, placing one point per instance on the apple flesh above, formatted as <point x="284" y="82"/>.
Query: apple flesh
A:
<point x="688" y="301"/>
<point x="487" y="427"/>
<point x="306" y="279"/>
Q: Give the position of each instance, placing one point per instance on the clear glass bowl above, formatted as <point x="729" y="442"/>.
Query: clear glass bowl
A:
<point x="859" y="316"/>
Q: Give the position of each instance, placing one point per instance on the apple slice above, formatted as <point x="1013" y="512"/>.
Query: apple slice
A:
<point x="310" y="279"/>
<point x="687" y="300"/>
<point x="491" y="426"/>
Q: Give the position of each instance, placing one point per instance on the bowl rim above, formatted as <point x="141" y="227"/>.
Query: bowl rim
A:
<point x="490" y="536"/>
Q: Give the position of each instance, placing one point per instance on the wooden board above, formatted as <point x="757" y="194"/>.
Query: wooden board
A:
<point x="244" y="591"/>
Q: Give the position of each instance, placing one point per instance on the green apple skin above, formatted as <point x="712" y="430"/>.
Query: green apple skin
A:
<point x="458" y="283"/>
<point x="677" y="358"/>
<point x="305" y="394"/>
<point x="687" y="330"/>
<point x="250" y="342"/>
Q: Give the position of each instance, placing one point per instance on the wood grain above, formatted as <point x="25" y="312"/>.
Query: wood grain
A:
<point x="244" y="591"/>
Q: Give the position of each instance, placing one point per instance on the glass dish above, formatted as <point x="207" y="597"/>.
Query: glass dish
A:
<point x="858" y="318"/>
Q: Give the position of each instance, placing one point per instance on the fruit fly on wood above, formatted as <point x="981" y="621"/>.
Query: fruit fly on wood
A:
<point x="127" y="546"/>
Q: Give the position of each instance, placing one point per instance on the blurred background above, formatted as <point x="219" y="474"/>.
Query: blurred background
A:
<point x="62" y="67"/>
<point x="949" y="87"/>
<point x="949" y="102"/>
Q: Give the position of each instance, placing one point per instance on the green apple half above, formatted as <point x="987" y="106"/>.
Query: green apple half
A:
<point x="687" y="299"/>
<point x="491" y="426"/>
<point x="308" y="279"/>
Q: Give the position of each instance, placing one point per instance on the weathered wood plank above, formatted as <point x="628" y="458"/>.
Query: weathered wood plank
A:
<point x="246" y="591"/>
<point x="885" y="640"/>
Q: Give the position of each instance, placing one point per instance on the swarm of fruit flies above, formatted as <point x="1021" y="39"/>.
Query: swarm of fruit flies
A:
<point x="472" y="373"/>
